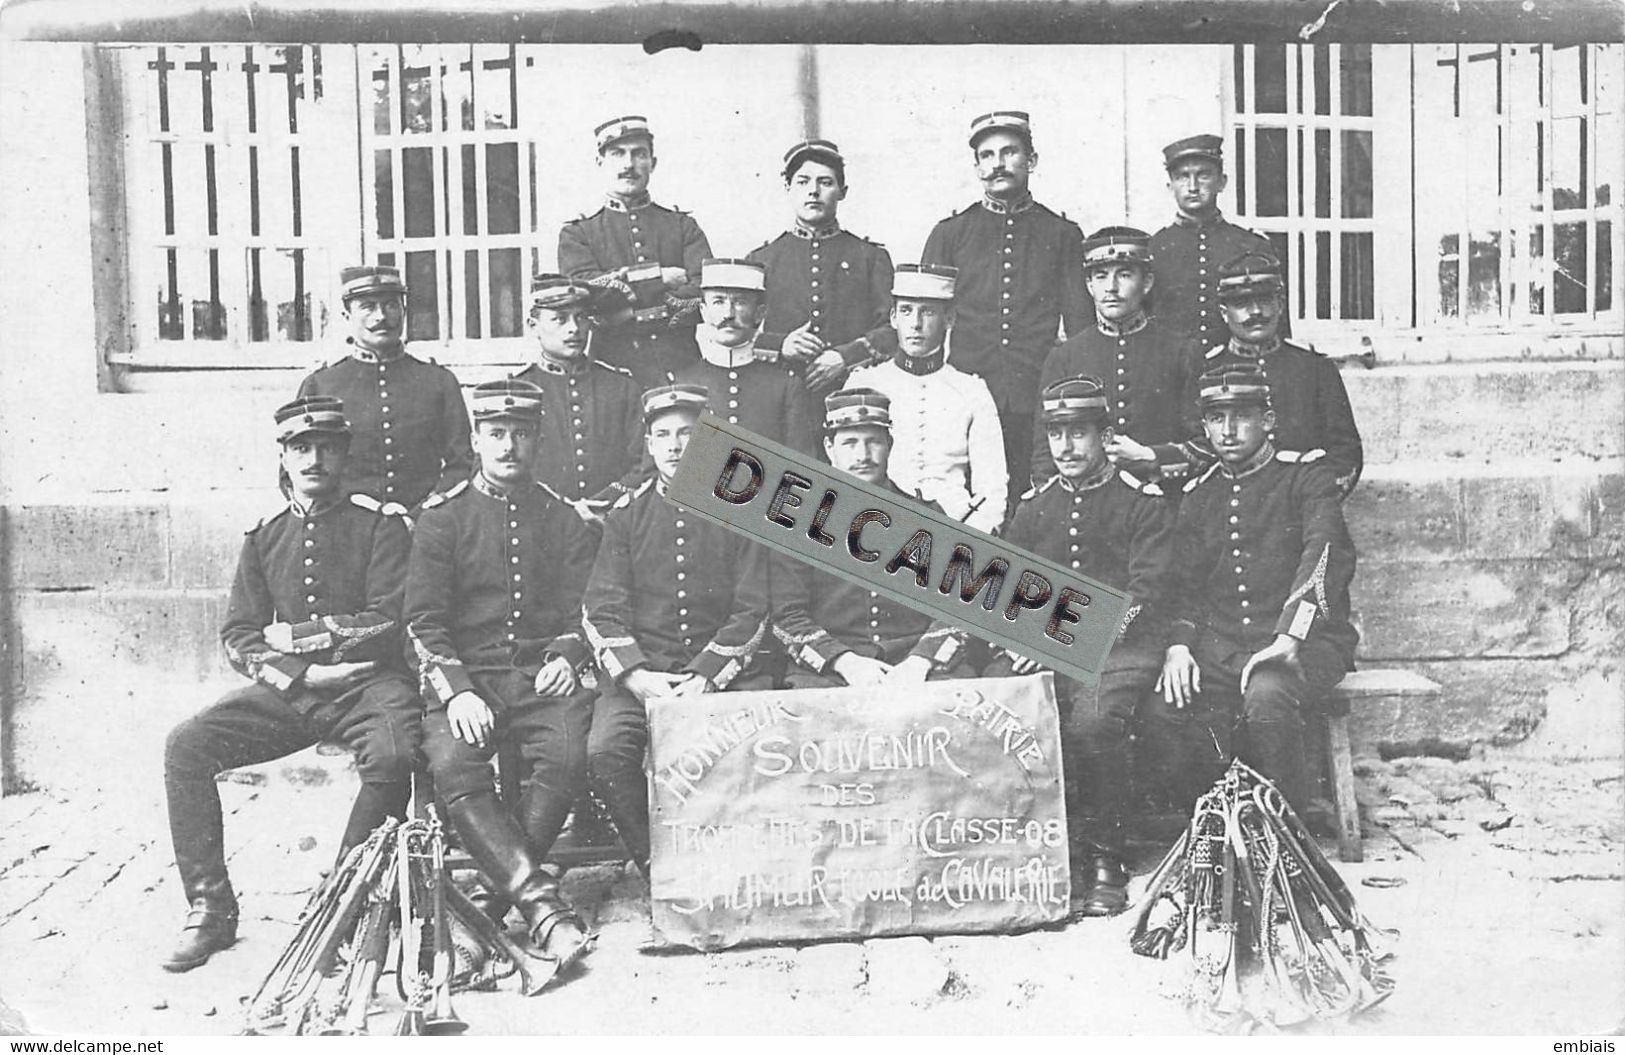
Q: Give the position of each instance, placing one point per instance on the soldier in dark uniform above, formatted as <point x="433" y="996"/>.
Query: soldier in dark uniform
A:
<point x="746" y="386"/>
<point x="1313" y="418"/>
<point x="1147" y="369"/>
<point x="1020" y="277"/>
<point x="676" y="606"/>
<point x="828" y="290"/>
<point x="838" y="633"/>
<point x="1110" y="526"/>
<point x="1190" y="250"/>
<point x="1262" y="566"/>
<point x="591" y="414"/>
<point x="492" y="598"/>
<point x="647" y="253"/>
<point x="410" y="424"/>
<point x="314" y="622"/>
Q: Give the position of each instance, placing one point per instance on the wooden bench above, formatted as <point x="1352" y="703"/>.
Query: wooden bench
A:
<point x="1333" y="717"/>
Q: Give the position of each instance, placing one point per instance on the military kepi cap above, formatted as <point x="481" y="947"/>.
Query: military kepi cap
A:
<point x="370" y="278"/>
<point x="1017" y="121"/>
<point x="1117" y="245"/>
<point x="730" y="273"/>
<point x="310" y="414"/>
<point x="622" y="128"/>
<point x="1249" y="274"/>
<point x="560" y="291"/>
<point x="506" y="398"/>
<point x="820" y="150"/>
<point x="675" y="397"/>
<point x="856" y="406"/>
<point x="1210" y="147"/>
<point x="1236" y="383"/>
<point x="924" y="281"/>
<point x="1080" y="398"/>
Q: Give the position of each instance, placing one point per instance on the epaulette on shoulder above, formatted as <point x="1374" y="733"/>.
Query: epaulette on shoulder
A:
<point x="1217" y="349"/>
<point x="1193" y="483"/>
<point x="1138" y="484"/>
<point x="626" y="499"/>
<point x="611" y="367"/>
<point x="865" y="239"/>
<point x="1314" y="454"/>
<point x="439" y="498"/>
<point x="972" y="207"/>
<point x="1037" y="489"/>
<point x="372" y="505"/>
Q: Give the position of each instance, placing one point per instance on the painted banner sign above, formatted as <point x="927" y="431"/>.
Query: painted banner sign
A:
<point x="822" y="813"/>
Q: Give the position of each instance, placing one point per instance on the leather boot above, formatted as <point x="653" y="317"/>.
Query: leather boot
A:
<point x="210" y="927"/>
<point x="1106" y="886"/>
<point x="497" y="844"/>
<point x="374" y="804"/>
<point x="1275" y="749"/>
<point x="628" y="803"/>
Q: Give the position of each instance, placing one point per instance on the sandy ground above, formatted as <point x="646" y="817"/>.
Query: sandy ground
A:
<point x="1509" y="909"/>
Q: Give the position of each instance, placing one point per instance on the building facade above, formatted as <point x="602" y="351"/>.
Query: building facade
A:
<point x="175" y="217"/>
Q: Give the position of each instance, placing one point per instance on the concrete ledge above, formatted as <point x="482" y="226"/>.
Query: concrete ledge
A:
<point x="1488" y="412"/>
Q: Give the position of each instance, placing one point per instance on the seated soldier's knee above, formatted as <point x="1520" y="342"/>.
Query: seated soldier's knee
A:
<point x="1273" y="695"/>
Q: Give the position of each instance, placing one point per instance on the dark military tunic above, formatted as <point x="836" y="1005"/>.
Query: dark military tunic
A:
<point x="656" y="330"/>
<point x="1262" y="553"/>
<point x="1020" y="277"/>
<point x="1311" y="407"/>
<point x="760" y="396"/>
<point x="495" y="585"/>
<point x="337" y="574"/>
<point x="837" y="281"/>
<point x="410" y="432"/>
<point x="1187" y="256"/>
<point x="1147" y="370"/>
<point x="592" y="428"/>
<point x="818" y="616"/>
<point x="675" y="592"/>
<point x="1113" y="528"/>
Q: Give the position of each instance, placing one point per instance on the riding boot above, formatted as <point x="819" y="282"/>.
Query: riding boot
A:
<point x="542" y="812"/>
<point x="497" y="844"/>
<point x="374" y="804"/>
<point x="1275" y="749"/>
<point x="196" y="831"/>
<point x="1098" y="837"/>
<point x="628" y="803"/>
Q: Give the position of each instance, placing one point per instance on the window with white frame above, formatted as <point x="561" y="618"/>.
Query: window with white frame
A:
<point x="450" y="190"/>
<point x="231" y="154"/>
<point x="1303" y="170"/>
<point x="1521" y="171"/>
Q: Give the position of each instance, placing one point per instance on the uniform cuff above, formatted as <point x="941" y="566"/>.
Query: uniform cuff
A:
<point x="442" y="682"/>
<point x="1297" y="621"/>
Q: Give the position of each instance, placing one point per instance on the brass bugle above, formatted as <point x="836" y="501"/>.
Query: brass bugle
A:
<point x="441" y="1019"/>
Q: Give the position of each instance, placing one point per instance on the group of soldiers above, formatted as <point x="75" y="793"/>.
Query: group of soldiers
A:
<point x="435" y="588"/>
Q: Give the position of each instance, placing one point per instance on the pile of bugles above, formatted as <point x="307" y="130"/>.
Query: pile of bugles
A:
<point x="1273" y="935"/>
<point x="389" y="907"/>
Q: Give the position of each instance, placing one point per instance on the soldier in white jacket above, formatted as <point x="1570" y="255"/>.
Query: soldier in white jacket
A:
<point x="948" y="447"/>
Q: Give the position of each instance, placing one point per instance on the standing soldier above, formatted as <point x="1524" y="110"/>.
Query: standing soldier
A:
<point x="838" y="633"/>
<point x="1312" y="416"/>
<point x="314" y="623"/>
<point x="646" y="252"/>
<point x="828" y="290"/>
<point x="676" y="606"/>
<point x="1106" y="524"/>
<point x="746" y="386"/>
<point x="492" y="599"/>
<point x="1262" y="566"/>
<point x="591" y="419"/>
<point x="1190" y="250"/>
<point x="1020" y="276"/>
<point x="1147" y="368"/>
<point x="947" y="447"/>
<point x="410" y="424"/>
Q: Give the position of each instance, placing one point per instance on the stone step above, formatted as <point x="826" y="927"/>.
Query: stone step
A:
<point x="1489" y="412"/>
